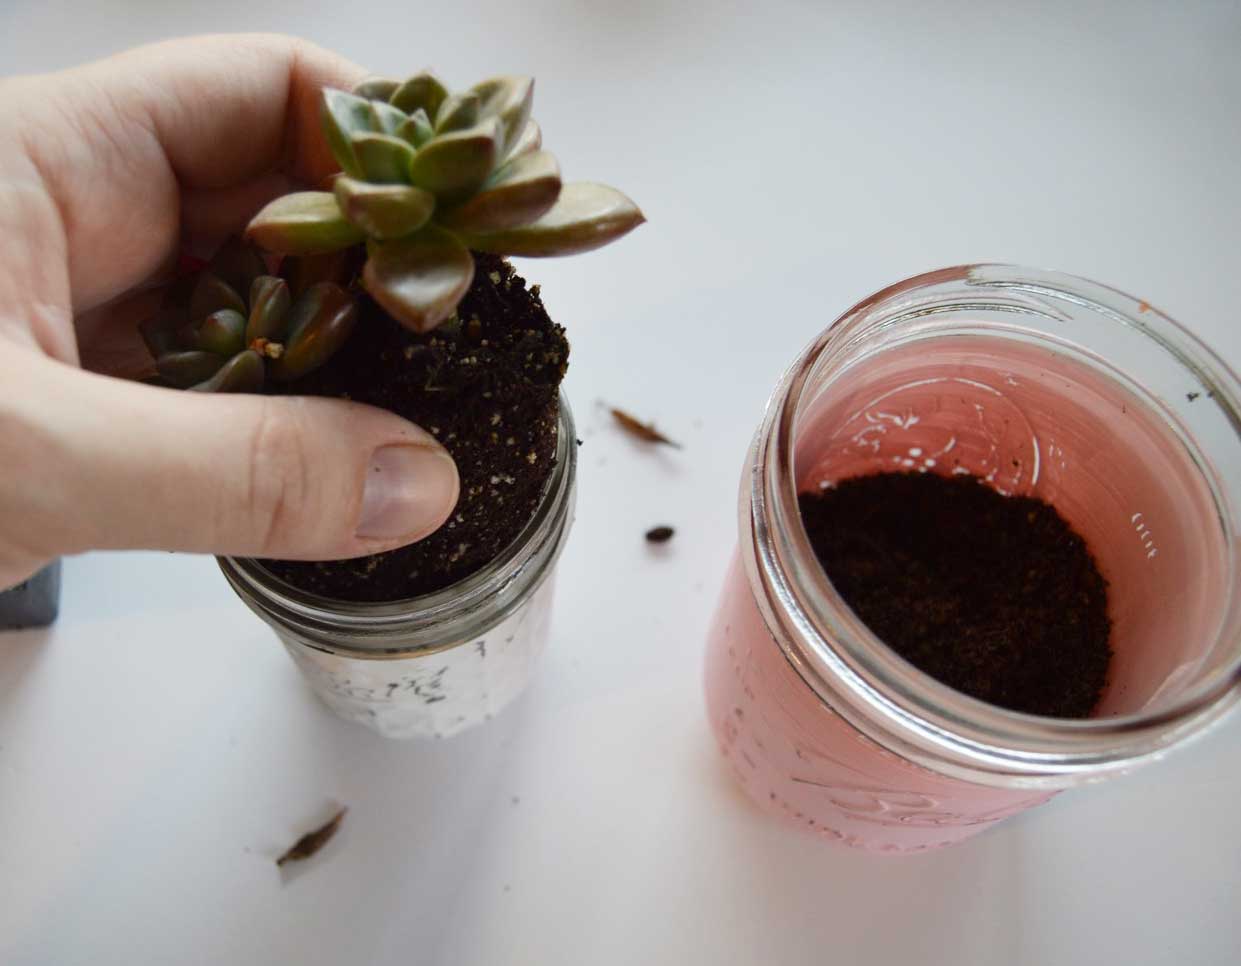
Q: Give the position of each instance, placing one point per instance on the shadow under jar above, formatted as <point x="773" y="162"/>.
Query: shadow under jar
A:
<point x="433" y="665"/>
<point x="1043" y="385"/>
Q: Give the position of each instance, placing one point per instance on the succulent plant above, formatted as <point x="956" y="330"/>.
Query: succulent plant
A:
<point x="428" y="175"/>
<point x="232" y="326"/>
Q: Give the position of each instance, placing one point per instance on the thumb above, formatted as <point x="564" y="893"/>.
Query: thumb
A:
<point x="95" y="462"/>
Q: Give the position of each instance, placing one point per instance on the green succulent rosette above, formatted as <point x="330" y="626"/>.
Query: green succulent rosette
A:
<point x="233" y="326"/>
<point x="428" y="175"/>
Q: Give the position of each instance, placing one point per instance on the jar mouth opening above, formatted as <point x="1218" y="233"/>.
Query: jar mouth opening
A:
<point x="525" y="560"/>
<point x="881" y="693"/>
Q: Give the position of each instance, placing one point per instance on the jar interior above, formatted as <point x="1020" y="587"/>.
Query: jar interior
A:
<point x="1041" y="417"/>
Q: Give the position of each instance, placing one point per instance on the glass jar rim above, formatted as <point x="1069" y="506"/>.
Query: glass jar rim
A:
<point x="461" y="611"/>
<point x="880" y="693"/>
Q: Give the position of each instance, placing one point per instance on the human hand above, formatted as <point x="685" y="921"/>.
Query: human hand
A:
<point x="105" y="172"/>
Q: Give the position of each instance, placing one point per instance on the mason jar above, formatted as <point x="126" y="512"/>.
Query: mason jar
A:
<point x="1043" y="385"/>
<point x="433" y="665"/>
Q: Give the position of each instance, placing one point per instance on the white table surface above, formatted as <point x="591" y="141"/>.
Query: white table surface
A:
<point x="157" y="749"/>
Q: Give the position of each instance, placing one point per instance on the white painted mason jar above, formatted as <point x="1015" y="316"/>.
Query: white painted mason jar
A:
<point x="433" y="665"/>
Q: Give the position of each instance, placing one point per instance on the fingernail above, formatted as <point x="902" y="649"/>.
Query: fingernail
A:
<point x="409" y="492"/>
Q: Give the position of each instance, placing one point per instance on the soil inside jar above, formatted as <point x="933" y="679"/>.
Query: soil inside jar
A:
<point x="486" y="385"/>
<point x="995" y="596"/>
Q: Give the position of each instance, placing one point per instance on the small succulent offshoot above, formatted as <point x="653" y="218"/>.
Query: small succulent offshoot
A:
<point x="233" y="326"/>
<point x="426" y="177"/>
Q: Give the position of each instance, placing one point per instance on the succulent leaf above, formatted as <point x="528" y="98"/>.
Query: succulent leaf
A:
<point x="303" y="271"/>
<point x="384" y="158"/>
<point x="584" y="217"/>
<point x="386" y="119"/>
<point x="529" y="141"/>
<point x="510" y="99"/>
<point x="519" y="193"/>
<point x="420" y="279"/>
<point x="184" y="369"/>
<point x="223" y="332"/>
<point x="457" y="113"/>
<point x="453" y="165"/>
<point x="376" y="88"/>
<point x="416" y="129"/>
<point x="212" y="293"/>
<point x="242" y="373"/>
<point x="384" y="210"/>
<point x="423" y="91"/>
<point x="269" y="305"/>
<point x="344" y="115"/>
<point x="319" y="323"/>
<point x="303" y="223"/>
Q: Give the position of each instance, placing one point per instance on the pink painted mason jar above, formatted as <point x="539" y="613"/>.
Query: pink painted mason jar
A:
<point x="1044" y="385"/>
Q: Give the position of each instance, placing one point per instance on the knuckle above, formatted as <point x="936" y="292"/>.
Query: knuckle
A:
<point x="279" y="480"/>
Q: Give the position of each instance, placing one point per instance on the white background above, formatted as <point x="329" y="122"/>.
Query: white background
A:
<point x="157" y="749"/>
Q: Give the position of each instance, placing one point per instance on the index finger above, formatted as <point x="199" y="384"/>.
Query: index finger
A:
<point x="116" y="142"/>
<point x="226" y="108"/>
